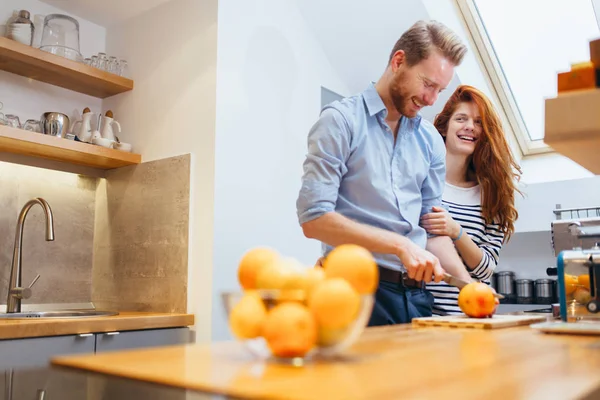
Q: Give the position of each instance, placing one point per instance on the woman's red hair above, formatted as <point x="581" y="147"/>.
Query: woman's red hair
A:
<point x="492" y="163"/>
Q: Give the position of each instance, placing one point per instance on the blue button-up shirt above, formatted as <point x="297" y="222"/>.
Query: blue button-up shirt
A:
<point x="355" y="168"/>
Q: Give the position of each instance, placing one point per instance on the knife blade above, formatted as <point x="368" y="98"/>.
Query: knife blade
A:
<point x="459" y="283"/>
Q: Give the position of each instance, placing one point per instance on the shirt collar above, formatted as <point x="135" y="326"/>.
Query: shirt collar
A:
<point x="375" y="105"/>
<point x="373" y="101"/>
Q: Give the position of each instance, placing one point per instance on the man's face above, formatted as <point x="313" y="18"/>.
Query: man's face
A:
<point x="415" y="87"/>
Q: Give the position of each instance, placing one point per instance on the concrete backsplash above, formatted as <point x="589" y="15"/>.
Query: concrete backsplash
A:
<point x="141" y="237"/>
<point x="120" y="241"/>
<point x="65" y="265"/>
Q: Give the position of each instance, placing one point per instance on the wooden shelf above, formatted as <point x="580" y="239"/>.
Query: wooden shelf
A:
<point x="572" y="127"/>
<point x="42" y="66"/>
<point x="19" y="141"/>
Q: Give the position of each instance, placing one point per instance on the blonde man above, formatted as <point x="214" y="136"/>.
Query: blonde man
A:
<point x="374" y="167"/>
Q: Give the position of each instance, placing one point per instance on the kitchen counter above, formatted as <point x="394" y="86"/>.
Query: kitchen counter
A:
<point x="387" y="363"/>
<point x="125" y="321"/>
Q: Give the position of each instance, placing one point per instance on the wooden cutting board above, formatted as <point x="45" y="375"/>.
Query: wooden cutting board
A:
<point x="462" y="321"/>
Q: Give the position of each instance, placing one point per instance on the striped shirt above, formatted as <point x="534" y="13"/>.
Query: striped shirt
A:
<point x="464" y="205"/>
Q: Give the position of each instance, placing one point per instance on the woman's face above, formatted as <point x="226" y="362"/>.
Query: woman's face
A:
<point x="464" y="130"/>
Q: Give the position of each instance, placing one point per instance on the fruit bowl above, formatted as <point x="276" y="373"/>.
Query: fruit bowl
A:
<point x="288" y="326"/>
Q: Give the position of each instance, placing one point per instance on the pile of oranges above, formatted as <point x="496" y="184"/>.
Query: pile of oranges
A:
<point x="314" y="307"/>
<point x="578" y="288"/>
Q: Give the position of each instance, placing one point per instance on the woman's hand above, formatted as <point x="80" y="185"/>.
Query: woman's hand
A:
<point x="439" y="222"/>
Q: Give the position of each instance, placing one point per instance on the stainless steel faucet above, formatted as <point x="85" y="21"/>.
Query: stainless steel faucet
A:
<point x="15" y="291"/>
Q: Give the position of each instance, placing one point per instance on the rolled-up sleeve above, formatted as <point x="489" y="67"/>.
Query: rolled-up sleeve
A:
<point x="324" y="166"/>
<point x="433" y="186"/>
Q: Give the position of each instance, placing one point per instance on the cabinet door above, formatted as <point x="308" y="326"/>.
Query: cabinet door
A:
<point x="36" y="352"/>
<point x="48" y="384"/>
<point x="25" y="363"/>
<point x="146" y="338"/>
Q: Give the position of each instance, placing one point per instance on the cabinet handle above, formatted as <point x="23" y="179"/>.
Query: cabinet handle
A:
<point x="41" y="394"/>
<point x="82" y="335"/>
<point x="8" y="377"/>
<point x="112" y="333"/>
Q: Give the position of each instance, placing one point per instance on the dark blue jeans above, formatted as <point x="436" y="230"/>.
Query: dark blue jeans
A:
<point x="396" y="304"/>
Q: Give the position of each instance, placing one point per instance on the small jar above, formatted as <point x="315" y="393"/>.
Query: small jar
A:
<point x="20" y="28"/>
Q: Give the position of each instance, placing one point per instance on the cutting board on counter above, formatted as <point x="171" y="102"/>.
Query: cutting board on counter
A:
<point x="462" y="321"/>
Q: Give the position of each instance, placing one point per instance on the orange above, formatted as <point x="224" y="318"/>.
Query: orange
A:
<point x="571" y="283"/>
<point x="584" y="280"/>
<point x="280" y="273"/>
<point x="251" y="264"/>
<point x="248" y="316"/>
<point x="290" y="330"/>
<point x="334" y="303"/>
<point x="582" y="295"/>
<point x="355" y="264"/>
<point x="312" y="278"/>
<point x="477" y="300"/>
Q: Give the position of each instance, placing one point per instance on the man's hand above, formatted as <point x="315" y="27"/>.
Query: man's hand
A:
<point x="439" y="222"/>
<point x="420" y="264"/>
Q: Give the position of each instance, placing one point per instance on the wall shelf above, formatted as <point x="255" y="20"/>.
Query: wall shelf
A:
<point x="19" y="141"/>
<point x="33" y="63"/>
<point x="572" y="127"/>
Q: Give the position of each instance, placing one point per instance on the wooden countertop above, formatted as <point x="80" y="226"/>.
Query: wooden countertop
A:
<point x="387" y="363"/>
<point x="125" y="321"/>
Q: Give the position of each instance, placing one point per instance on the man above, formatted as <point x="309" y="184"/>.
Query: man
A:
<point x="374" y="167"/>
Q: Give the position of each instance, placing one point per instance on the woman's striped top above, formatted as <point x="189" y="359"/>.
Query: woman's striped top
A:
<point x="464" y="205"/>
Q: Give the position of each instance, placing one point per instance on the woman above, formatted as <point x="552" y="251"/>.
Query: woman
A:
<point x="481" y="174"/>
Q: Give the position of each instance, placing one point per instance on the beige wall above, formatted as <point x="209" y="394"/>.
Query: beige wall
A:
<point x="172" y="52"/>
<point x="65" y="265"/>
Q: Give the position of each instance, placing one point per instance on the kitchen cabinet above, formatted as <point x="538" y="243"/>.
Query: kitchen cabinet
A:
<point x="26" y="360"/>
<point x="45" y="384"/>
<point x="34" y="355"/>
<point x="36" y="352"/>
<point x="111" y="341"/>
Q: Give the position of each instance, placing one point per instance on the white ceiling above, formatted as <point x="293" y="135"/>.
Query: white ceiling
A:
<point x="105" y="12"/>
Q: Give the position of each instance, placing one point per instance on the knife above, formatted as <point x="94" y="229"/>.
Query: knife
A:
<point x="459" y="283"/>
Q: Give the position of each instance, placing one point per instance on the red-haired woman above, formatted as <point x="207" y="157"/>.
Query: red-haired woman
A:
<point x="479" y="212"/>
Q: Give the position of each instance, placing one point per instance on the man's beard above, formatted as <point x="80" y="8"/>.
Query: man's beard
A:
<point x="401" y="103"/>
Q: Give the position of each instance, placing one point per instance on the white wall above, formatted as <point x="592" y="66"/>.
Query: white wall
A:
<point x="270" y="72"/>
<point x="29" y="98"/>
<point x="528" y="255"/>
<point x="551" y="167"/>
<point x="172" y="53"/>
<point x="535" y="209"/>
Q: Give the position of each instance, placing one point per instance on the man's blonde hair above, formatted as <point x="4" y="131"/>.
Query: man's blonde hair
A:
<point x="418" y="41"/>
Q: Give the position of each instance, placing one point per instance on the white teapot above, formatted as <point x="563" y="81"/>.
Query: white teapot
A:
<point x="107" y="121"/>
<point x="85" y="132"/>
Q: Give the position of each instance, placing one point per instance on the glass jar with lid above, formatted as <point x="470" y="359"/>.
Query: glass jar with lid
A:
<point x="20" y="28"/>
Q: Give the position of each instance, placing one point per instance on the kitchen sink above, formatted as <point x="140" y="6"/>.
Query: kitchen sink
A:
<point x="57" y="314"/>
